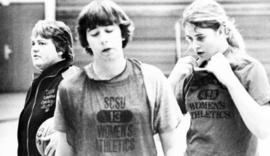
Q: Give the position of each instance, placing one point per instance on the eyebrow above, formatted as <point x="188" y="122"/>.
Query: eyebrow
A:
<point x="197" y="35"/>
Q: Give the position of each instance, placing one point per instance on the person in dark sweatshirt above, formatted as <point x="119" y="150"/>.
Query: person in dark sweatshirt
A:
<point x="52" y="56"/>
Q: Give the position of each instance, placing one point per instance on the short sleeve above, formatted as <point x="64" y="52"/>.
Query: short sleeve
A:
<point x="258" y="84"/>
<point x="59" y="121"/>
<point x="167" y="112"/>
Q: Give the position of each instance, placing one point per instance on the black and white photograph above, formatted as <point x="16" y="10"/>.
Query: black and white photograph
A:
<point x="134" y="77"/>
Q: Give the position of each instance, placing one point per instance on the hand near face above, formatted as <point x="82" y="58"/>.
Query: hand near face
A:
<point x="184" y="66"/>
<point x="220" y="67"/>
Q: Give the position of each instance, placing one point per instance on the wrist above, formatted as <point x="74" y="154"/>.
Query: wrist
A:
<point x="233" y="83"/>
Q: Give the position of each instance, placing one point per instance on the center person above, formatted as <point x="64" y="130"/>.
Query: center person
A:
<point x="114" y="105"/>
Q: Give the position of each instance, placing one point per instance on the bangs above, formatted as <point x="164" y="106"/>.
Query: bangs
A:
<point x="41" y="29"/>
<point x="100" y="15"/>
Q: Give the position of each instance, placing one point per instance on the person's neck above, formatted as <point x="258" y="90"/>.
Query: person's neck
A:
<point x="106" y="70"/>
<point x="224" y="47"/>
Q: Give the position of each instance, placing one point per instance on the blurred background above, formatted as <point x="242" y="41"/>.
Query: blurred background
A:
<point x="158" y="40"/>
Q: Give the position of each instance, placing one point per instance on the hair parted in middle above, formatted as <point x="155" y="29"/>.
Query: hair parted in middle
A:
<point x="103" y="13"/>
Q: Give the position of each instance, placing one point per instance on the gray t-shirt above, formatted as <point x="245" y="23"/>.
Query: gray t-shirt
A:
<point x="217" y="128"/>
<point x="111" y="118"/>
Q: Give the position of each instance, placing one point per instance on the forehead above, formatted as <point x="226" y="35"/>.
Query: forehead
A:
<point x="111" y="26"/>
<point x="192" y="30"/>
<point x="40" y="38"/>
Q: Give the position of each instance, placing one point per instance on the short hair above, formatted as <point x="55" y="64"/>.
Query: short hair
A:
<point x="103" y="13"/>
<point x="59" y="33"/>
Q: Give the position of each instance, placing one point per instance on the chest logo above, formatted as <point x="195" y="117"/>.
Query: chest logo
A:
<point x="48" y="99"/>
<point x="208" y="94"/>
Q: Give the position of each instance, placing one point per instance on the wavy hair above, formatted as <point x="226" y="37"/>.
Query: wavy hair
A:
<point x="210" y="14"/>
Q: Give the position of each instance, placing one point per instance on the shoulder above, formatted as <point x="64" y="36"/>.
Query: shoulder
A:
<point x="253" y="68"/>
<point x="246" y="63"/>
<point x="154" y="79"/>
<point x="70" y="71"/>
<point x="148" y="70"/>
<point x="72" y="76"/>
<point x="151" y="70"/>
<point x="250" y="71"/>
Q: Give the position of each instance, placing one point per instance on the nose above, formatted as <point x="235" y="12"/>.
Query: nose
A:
<point x="34" y="48"/>
<point x="103" y="38"/>
<point x="195" y="46"/>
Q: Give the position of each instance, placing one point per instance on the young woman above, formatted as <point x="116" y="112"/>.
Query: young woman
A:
<point x="52" y="56"/>
<point x="114" y="105"/>
<point x="225" y="91"/>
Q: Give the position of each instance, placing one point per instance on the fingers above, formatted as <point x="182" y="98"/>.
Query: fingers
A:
<point x="47" y="138"/>
<point x="188" y="60"/>
<point x="214" y="63"/>
<point x="186" y="64"/>
<point x="50" y="149"/>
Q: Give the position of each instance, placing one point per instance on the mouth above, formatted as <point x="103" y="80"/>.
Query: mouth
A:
<point x="106" y="50"/>
<point x="200" y="53"/>
<point x="36" y="56"/>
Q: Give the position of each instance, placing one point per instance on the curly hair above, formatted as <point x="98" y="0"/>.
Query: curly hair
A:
<point x="103" y="13"/>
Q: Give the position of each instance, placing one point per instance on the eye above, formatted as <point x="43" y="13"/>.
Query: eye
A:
<point x="93" y="32"/>
<point x="200" y="38"/>
<point x="42" y="43"/>
<point x="109" y="29"/>
<point x="188" y="38"/>
<point x="32" y="43"/>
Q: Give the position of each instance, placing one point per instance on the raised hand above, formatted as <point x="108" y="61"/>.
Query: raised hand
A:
<point x="220" y="67"/>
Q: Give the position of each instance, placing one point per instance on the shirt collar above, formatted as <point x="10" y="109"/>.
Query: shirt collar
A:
<point x="53" y="69"/>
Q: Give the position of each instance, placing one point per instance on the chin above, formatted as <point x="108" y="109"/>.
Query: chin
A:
<point x="39" y="67"/>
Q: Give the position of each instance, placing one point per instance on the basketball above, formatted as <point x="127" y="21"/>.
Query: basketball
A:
<point x="44" y="130"/>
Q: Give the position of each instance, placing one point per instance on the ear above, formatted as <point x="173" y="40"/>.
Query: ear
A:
<point x="221" y="30"/>
<point x="60" y="53"/>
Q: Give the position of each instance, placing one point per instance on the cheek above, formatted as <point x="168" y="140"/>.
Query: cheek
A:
<point x="93" y="43"/>
<point x="88" y="39"/>
<point x="31" y="51"/>
<point x="208" y="45"/>
<point x="117" y="39"/>
<point x="49" y="54"/>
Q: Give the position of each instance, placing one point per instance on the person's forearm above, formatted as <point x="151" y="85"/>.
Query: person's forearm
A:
<point x="173" y="152"/>
<point x="255" y="116"/>
<point x="171" y="142"/>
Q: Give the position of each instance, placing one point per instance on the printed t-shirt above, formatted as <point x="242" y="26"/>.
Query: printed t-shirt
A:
<point x="108" y="117"/>
<point x="216" y="126"/>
